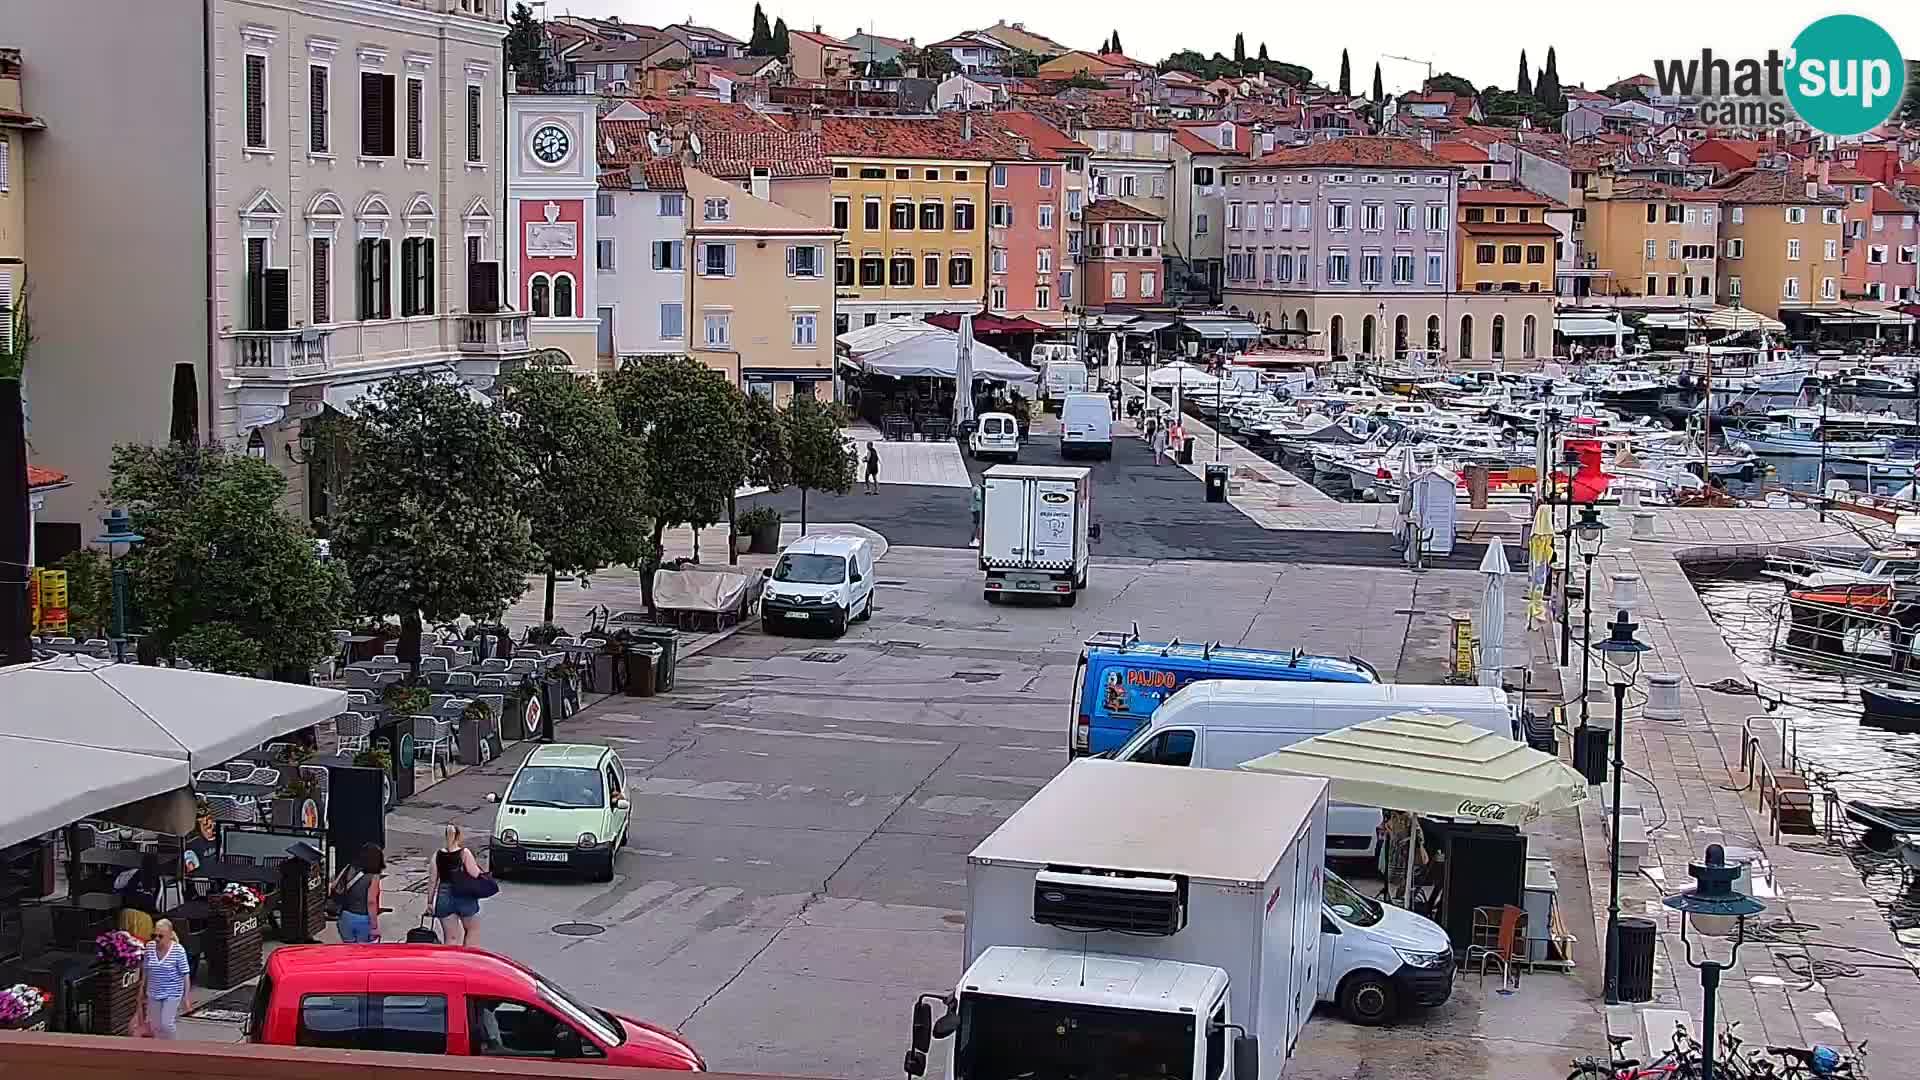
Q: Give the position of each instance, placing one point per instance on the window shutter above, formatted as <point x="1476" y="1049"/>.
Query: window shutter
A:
<point x="371" y="92"/>
<point x="256" y="100"/>
<point x="729" y="250"/>
<point x="427" y="277"/>
<point x="383" y="273"/>
<point x="415" y="92"/>
<point x="363" y="280"/>
<point x="322" y="281"/>
<point x="793" y="259"/>
<point x="473" y="123"/>
<point x="317" y="140"/>
<point x="408" y="250"/>
<point x="6" y="312"/>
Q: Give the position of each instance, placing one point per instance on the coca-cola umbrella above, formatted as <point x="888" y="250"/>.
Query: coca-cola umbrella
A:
<point x="1436" y="765"/>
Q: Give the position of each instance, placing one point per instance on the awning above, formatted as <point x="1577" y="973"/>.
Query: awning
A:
<point x="1725" y="320"/>
<point x="1144" y="326"/>
<point x="1588" y="326"/>
<point x="934" y="354"/>
<point x="863" y="339"/>
<point x="1853" y="318"/>
<point x="1181" y="374"/>
<point x="1431" y="764"/>
<point x="1222" y="329"/>
<point x="989" y="324"/>
<point x="49" y="785"/>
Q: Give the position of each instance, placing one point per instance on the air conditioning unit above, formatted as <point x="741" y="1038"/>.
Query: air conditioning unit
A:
<point x="1079" y="900"/>
<point x="483" y="287"/>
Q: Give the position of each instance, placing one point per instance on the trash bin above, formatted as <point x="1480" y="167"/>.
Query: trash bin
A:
<point x="1478" y="478"/>
<point x="1186" y="451"/>
<point x="1637" y="938"/>
<point x="643" y="664"/>
<point x="663" y="665"/>
<point x="1590" y="752"/>
<point x="1217" y="482"/>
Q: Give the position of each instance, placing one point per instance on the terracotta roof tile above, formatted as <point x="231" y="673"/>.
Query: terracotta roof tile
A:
<point x="1359" y="151"/>
<point x="1771" y="186"/>
<point x="827" y="40"/>
<point x="1886" y="202"/>
<point x="663" y="174"/>
<point x="1195" y="143"/>
<point x="1037" y="131"/>
<point x="1117" y="210"/>
<point x="1462" y="152"/>
<point x="733" y="155"/>
<point x="938" y="137"/>
<point x="620" y="179"/>
<point x="38" y="477"/>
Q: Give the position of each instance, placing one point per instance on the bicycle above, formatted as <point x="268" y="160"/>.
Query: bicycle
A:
<point x="1616" y="1067"/>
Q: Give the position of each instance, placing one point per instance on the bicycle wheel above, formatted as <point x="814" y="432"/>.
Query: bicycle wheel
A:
<point x="1591" y="1070"/>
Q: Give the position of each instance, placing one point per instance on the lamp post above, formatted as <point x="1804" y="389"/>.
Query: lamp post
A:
<point x="1718" y="910"/>
<point x="1621" y="655"/>
<point x="1569" y="463"/>
<point x="1588" y="534"/>
<point x="119" y="528"/>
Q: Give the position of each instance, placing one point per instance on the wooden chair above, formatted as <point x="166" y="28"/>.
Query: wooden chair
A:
<point x="1499" y="934"/>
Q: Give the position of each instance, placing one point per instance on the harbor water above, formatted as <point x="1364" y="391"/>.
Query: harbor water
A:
<point x="1823" y="711"/>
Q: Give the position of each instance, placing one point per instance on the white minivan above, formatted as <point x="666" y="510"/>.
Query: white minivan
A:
<point x="1224" y="723"/>
<point x="820" y="581"/>
<point x="997" y="434"/>
<point x="1086" y="426"/>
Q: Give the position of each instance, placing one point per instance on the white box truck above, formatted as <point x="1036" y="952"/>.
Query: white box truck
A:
<point x="1134" y="921"/>
<point x="1034" y="531"/>
<point x="1086" y="426"/>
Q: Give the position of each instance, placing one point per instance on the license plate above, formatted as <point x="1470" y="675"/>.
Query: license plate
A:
<point x="799" y="615"/>
<point x="546" y="856"/>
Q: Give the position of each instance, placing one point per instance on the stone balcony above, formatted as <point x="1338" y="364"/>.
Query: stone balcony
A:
<point x="281" y="355"/>
<point x="499" y="334"/>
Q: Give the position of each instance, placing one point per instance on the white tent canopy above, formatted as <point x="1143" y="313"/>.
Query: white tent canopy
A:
<point x="1723" y="319"/>
<point x="865" y="339"/>
<point x="80" y="735"/>
<point x="934" y="355"/>
<point x="1181" y="374"/>
<point x="1586" y="325"/>
<point x="1441" y="766"/>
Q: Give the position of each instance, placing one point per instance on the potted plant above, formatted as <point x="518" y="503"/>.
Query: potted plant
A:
<point x="762" y="528"/>
<point x="374" y="758"/>
<point x="23" y="1008"/>
<point x="473" y="741"/>
<point x="116" y="991"/>
<point x="297" y="803"/>
<point x="232" y="936"/>
<point x="545" y="633"/>
<point x="405" y="699"/>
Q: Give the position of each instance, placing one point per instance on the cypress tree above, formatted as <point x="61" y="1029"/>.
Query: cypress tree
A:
<point x="1524" y="85"/>
<point x="1240" y="49"/>
<point x="1346" y="75"/>
<point x="781" y="46"/>
<point x="1548" y="88"/>
<point x="761" y="41"/>
<point x="1379" y="90"/>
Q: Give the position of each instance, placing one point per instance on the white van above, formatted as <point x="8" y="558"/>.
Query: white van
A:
<point x="997" y="434"/>
<point x="1222" y="724"/>
<point x="822" y="581"/>
<point x="1086" y="426"/>
<point x="1058" y="378"/>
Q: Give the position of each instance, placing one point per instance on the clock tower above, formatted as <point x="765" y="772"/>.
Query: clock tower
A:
<point x="553" y="172"/>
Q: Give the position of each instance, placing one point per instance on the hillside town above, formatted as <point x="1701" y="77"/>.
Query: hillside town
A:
<point x="788" y="550"/>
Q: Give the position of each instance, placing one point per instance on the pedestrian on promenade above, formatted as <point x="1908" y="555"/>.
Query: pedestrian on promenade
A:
<point x="453" y="865"/>
<point x="164" y="973"/>
<point x="873" y="469"/>
<point x="1176" y="438"/>
<point x="357" y="890"/>
<point x="977" y="497"/>
<point x="1159" y="438"/>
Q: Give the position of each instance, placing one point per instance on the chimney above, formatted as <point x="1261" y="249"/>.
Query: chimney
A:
<point x="1813" y="189"/>
<point x="966" y="127"/>
<point x="1826" y="173"/>
<point x="813" y="119"/>
<point x="1603" y="184"/>
<point x="816" y="28"/>
<point x="1426" y="138"/>
<point x="761" y="182"/>
<point x="1026" y="148"/>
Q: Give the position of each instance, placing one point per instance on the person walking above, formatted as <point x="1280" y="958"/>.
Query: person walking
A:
<point x="1159" y="437"/>
<point x="357" y="890"/>
<point x="977" y="497"/>
<point x="873" y="469"/>
<point x="1176" y="438"/>
<point x="163" y="973"/>
<point x="452" y="864"/>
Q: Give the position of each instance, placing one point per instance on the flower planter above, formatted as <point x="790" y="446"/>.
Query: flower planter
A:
<point x="116" y="997"/>
<point x="765" y="540"/>
<point x="513" y="722"/>
<point x="36" y="1022"/>
<point x="232" y="942"/>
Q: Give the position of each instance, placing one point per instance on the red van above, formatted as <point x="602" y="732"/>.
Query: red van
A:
<point x="444" y="999"/>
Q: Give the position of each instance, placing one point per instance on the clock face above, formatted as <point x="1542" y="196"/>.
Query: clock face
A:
<point x="550" y="144"/>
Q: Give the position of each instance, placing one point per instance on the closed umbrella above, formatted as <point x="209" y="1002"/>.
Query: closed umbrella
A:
<point x="963" y="375"/>
<point x="1493" y="613"/>
<point x="1539" y="562"/>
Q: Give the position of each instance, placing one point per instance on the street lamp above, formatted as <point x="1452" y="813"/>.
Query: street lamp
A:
<point x="1588" y="533"/>
<point x="1718" y="910"/>
<point x="1620" y="654"/>
<point x="119" y="528"/>
<point x="1569" y="464"/>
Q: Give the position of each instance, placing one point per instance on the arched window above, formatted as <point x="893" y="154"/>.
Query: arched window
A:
<point x="1300" y="324"/>
<point x="1499" y="337"/>
<point x="1466" y="337"/>
<point x="539" y="296"/>
<point x="1526" y="337"/>
<point x="1433" y="333"/>
<point x="1400" y="330"/>
<point x="1337" y="335"/>
<point x="563" y="296"/>
<point x="1366" y="336"/>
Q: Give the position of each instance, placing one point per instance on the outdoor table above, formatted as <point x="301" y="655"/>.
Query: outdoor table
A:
<point x="363" y="647"/>
<point x="248" y="873"/>
<point x="123" y="858"/>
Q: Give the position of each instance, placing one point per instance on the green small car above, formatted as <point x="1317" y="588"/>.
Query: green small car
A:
<point x="566" y="809"/>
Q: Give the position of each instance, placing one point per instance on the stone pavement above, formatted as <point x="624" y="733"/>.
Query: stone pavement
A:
<point x="936" y="464"/>
<point x="1818" y="984"/>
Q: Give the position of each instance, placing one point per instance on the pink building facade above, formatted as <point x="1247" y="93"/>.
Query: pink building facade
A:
<point x="1123" y="256"/>
<point x="1024" y="246"/>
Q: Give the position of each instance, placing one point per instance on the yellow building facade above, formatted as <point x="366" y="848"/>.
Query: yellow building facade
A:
<point x="1658" y="240"/>
<point x="1780" y="242"/>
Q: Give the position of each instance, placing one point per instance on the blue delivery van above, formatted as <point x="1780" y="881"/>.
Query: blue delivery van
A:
<point x="1120" y="680"/>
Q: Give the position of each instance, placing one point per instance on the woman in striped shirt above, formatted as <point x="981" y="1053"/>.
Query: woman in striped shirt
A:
<point x="165" y="974"/>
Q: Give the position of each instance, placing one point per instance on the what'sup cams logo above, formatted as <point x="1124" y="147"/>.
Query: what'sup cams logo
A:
<point x="1844" y="75"/>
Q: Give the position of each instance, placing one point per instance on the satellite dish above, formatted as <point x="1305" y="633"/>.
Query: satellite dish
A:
<point x="693" y="142"/>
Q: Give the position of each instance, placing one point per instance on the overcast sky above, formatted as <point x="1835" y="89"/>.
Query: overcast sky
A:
<point x="1595" y="44"/>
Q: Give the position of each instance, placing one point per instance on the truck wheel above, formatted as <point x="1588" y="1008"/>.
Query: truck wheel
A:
<point x="867" y="611"/>
<point x="1367" y="997"/>
<point x="1070" y="599"/>
<point x="992" y="597"/>
<point x="839" y="624"/>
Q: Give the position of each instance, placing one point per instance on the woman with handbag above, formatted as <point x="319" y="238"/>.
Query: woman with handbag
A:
<point x="356" y="889"/>
<point x="163" y="973"/>
<point x="456" y="885"/>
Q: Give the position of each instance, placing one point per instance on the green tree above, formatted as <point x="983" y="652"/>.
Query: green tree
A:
<point x="430" y="524"/>
<point x="1547" y="87"/>
<point x="1524" y="84"/>
<point x="768" y="463"/>
<point x="89" y="592"/>
<point x="1346" y="75"/>
<point x="1080" y="80"/>
<point x="16" y="646"/>
<point x="760" y="42"/>
<point x="1023" y="64"/>
<point x="1263" y="55"/>
<point x="930" y="63"/>
<point x="1449" y="83"/>
<point x="1115" y="43"/>
<point x="782" y="45"/>
<point x="1379" y="88"/>
<point x="526" y="53"/>
<point x="222" y="562"/>
<point x="821" y="459"/>
<point x="583" y="473"/>
<point x="1240" y="48"/>
<point x="690" y="426"/>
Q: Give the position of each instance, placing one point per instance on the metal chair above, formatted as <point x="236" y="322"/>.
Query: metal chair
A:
<point x="434" y="665"/>
<point x="262" y="776"/>
<point x="213" y="776"/>
<point x="493" y="665"/>
<point x="491" y="682"/>
<point x="361" y="697"/>
<point x="1499" y="934"/>
<point x="240" y="809"/>
<point x="352" y="729"/>
<point x="386" y="660"/>
<point x="433" y="737"/>
<point x="390" y="676"/>
<point x="359" y="678"/>
<point x="460" y="680"/>
<point x="563" y="640"/>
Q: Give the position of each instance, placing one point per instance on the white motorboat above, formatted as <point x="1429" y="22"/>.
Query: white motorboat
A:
<point x="1812" y="432"/>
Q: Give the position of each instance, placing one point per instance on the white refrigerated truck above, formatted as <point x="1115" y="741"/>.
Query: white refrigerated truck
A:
<point x="1035" y="531"/>
<point x="1139" y="921"/>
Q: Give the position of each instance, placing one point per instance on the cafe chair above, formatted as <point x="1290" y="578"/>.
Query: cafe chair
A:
<point x="360" y="697"/>
<point x="263" y="775"/>
<point x="213" y="776"/>
<point x="434" y="665"/>
<point x="239" y="809"/>
<point x="390" y="676"/>
<point x="435" y="701"/>
<point x="1499" y="935"/>
<point x="562" y="640"/>
<point x="460" y="680"/>
<point x="352" y="730"/>
<point x="491" y="682"/>
<point x="493" y="665"/>
<point x="386" y="660"/>
<point x="433" y="738"/>
<point x="359" y="678"/>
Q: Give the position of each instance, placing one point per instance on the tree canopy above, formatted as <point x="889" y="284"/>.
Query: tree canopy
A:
<point x="224" y="577"/>
<point x="820" y="458"/>
<point x="583" y="473"/>
<point x="1346" y="75"/>
<point x="1447" y="82"/>
<point x="526" y="53"/>
<point x="1379" y="88"/>
<point x="1547" y="87"/>
<point x="782" y="44"/>
<point x="1524" y="84"/>
<point x="430" y="525"/>
<point x="931" y="63"/>
<point x="760" y="41"/>
<point x="1239" y="48"/>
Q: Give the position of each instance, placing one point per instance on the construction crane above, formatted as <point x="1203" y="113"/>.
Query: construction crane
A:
<point x="1412" y="60"/>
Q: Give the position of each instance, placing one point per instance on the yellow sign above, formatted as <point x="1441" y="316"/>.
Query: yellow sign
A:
<point x="1464" y="642"/>
<point x="53" y="600"/>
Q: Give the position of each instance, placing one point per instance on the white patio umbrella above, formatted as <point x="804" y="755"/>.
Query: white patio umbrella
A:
<point x="963" y="375"/>
<point x="1493" y="613"/>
